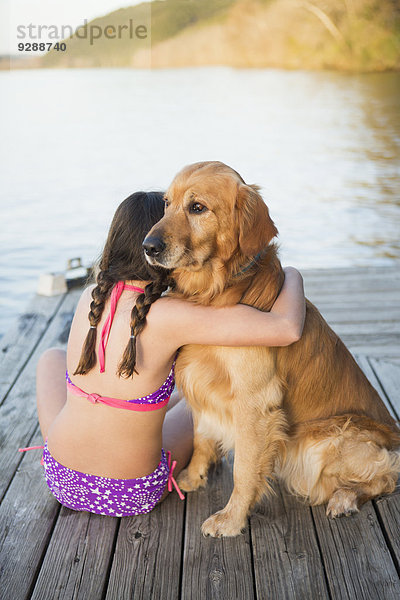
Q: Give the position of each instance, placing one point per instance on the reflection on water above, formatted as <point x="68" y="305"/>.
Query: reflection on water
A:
<point x="381" y="106"/>
<point x="380" y="102"/>
<point x="325" y="147"/>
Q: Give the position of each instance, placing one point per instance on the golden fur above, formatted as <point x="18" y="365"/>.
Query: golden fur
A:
<point x="304" y="412"/>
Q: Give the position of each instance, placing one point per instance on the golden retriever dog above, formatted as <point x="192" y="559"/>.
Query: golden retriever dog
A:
<point x="304" y="413"/>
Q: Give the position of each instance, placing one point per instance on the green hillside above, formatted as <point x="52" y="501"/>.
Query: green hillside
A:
<point x="170" y="17"/>
<point x="353" y="35"/>
<point x="163" y="20"/>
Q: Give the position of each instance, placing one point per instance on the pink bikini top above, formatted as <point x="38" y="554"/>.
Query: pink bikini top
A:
<point x="153" y="401"/>
<point x="105" y="332"/>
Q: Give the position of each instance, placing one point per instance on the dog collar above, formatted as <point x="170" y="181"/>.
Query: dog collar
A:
<point x="252" y="262"/>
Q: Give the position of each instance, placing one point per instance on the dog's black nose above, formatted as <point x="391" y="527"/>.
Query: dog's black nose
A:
<point x="153" y="246"/>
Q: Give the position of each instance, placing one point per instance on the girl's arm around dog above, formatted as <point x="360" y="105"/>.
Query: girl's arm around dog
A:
<point x="180" y="322"/>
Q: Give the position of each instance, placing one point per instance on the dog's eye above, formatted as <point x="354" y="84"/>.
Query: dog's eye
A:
<point x="196" y="207"/>
<point x="166" y="202"/>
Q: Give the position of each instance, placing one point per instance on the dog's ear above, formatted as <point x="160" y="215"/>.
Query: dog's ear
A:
<point x="256" y="228"/>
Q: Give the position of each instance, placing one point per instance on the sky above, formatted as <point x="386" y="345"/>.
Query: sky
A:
<point x="49" y="12"/>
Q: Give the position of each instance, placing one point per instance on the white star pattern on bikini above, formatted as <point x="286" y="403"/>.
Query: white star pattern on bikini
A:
<point x="102" y="495"/>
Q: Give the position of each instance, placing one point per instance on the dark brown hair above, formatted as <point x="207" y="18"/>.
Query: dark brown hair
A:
<point x="123" y="259"/>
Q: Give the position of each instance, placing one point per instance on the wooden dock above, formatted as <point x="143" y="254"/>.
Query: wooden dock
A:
<point x="289" y="550"/>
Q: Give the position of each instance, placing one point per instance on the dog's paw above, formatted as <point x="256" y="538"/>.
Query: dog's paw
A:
<point x="342" y="504"/>
<point x="222" y="524"/>
<point x="189" y="482"/>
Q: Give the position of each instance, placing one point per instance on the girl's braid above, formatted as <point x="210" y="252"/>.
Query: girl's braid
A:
<point x="152" y="292"/>
<point x="100" y="294"/>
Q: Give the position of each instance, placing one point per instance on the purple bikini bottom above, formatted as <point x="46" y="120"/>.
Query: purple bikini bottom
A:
<point x="106" y="496"/>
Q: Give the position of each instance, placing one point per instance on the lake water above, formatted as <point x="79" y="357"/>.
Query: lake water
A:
<point x="325" y="147"/>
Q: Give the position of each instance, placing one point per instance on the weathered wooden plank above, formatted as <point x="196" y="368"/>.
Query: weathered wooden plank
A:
<point x="78" y="556"/>
<point x="388" y="508"/>
<point x="286" y="558"/>
<point x="18" y="416"/>
<point x="147" y="558"/>
<point x="372" y="309"/>
<point x="390" y="353"/>
<point x="358" y="563"/>
<point x="379" y="339"/>
<point x="376" y="329"/>
<point x="372" y="299"/>
<point x="371" y="376"/>
<point x="388" y="375"/>
<point x="214" y="568"/>
<point x="393" y="359"/>
<point x="360" y="314"/>
<point x="27" y="515"/>
<point x="19" y="342"/>
<point x="351" y="287"/>
<point x="357" y="560"/>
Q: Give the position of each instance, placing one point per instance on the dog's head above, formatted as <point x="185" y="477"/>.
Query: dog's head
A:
<point x="210" y="213"/>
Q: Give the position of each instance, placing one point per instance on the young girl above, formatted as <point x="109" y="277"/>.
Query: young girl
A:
<point x="106" y="430"/>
